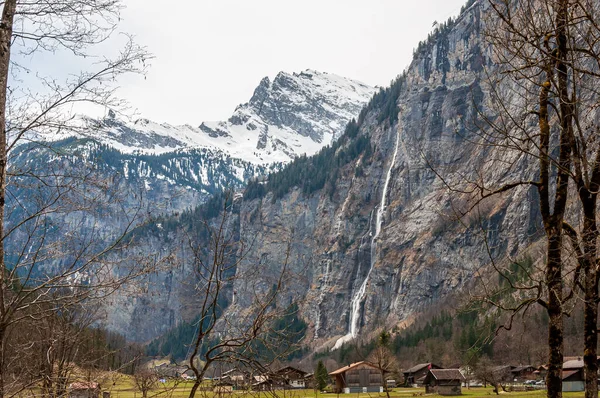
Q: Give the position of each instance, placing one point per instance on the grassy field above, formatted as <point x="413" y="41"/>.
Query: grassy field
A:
<point x="125" y="389"/>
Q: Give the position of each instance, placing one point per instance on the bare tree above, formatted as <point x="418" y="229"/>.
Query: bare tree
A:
<point x="47" y="268"/>
<point x="383" y="358"/>
<point x="489" y="373"/>
<point x="542" y="92"/>
<point x="550" y="50"/>
<point x="247" y="337"/>
<point x="145" y="380"/>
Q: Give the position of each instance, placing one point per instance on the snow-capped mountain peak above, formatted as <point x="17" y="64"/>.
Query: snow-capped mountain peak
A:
<point x="293" y="114"/>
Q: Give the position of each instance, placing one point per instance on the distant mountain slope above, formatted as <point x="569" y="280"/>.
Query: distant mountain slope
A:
<point x="179" y="166"/>
<point x="292" y="115"/>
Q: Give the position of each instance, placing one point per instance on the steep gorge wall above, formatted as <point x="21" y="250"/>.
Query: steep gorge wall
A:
<point x="421" y="254"/>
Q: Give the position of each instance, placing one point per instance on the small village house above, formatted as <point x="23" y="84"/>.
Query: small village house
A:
<point x="84" y="390"/>
<point x="541" y="372"/>
<point x="236" y="378"/>
<point x="291" y="377"/>
<point x="415" y="376"/>
<point x="358" y="377"/>
<point x="522" y="373"/>
<point x="264" y="383"/>
<point x="444" y="382"/>
<point x="572" y="375"/>
<point x="572" y="380"/>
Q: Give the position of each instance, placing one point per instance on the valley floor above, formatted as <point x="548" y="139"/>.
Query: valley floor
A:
<point x="125" y="389"/>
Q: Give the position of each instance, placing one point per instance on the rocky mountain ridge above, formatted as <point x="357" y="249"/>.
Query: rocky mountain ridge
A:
<point x="179" y="167"/>
<point x="368" y="222"/>
<point x="294" y="114"/>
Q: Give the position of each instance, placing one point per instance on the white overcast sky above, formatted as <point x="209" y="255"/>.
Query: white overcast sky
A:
<point x="211" y="54"/>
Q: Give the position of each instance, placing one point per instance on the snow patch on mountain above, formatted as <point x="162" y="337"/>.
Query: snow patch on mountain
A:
<point x="292" y="115"/>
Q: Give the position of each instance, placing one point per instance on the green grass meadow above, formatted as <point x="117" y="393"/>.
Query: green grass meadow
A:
<point x="124" y="388"/>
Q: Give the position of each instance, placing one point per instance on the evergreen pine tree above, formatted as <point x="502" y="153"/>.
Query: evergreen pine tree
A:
<point x="321" y="376"/>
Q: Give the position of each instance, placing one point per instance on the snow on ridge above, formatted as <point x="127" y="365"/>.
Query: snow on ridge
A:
<point x="294" y="114"/>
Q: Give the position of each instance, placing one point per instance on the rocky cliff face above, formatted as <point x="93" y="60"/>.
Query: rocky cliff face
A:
<point x="385" y="246"/>
<point x="378" y="243"/>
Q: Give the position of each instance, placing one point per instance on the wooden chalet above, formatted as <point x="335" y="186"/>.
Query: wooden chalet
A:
<point x="291" y="378"/>
<point x="444" y="382"/>
<point x="358" y="377"/>
<point x="415" y="376"/>
<point x="264" y="383"/>
<point x="541" y="372"/>
<point x="523" y="372"/>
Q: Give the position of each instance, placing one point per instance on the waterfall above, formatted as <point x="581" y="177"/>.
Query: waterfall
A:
<point x="360" y="293"/>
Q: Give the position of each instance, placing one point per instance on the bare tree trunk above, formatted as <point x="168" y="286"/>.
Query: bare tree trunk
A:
<point x="555" y="313"/>
<point x="591" y="336"/>
<point x="6" y="30"/>
<point x="195" y="387"/>
<point x="590" y="238"/>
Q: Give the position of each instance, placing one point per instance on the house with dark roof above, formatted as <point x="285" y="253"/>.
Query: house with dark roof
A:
<point x="264" y="383"/>
<point x="444" y="382"/>
<point x="572" y="375"/>
<point x="358" y="377"/>
<point x="239" y="379"/>
<point x="415" y="376"/>
<point x="291" y="377"/>
<point x="523" y="372"/>
<point x="573" y="380"/>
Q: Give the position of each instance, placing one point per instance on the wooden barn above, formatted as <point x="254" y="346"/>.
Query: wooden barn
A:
<point x="416" y="375"/>
<point x="572" y="380"/>
<point x="444" y="382"/>
<point x="358" y="377"/>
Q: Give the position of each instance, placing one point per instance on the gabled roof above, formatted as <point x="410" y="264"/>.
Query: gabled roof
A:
<point x="446" y="374"/>
<point x="290" y="369"/>
<point x="351" y="366"/>
<point x="420" y="366"/>
<point x="573" y="364"/>
<point x="521" y="368"/>
<point x="568" y="373"/>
